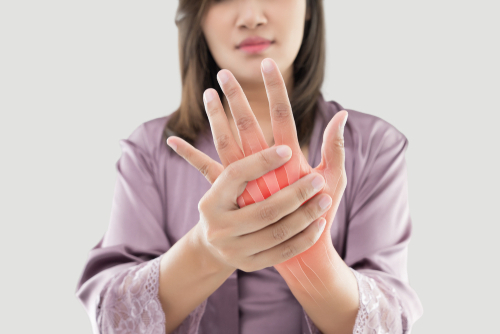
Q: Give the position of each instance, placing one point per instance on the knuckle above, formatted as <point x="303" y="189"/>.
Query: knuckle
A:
<point x="187" y="154"/>
<point x="231" y="92"/>
<point x="280" y="232"/>
<point x="232" y="171"/>
<point x="268" y="213"/>
<point x="222" y="142"/>
<point x="280" y="112"/>
<point x="244" y="123"/>
<point x="311" y="239"/>
<point x="339" y="143"/>
<point x="302" y="194"/>
<point x="309" y="213"/>
<point x="204" y="168"/>
<point x="212" y="111"/>
<point x="288" y="251"/>
<point x="263" y="159"/>
<point x="202" y="205"/>
<point x="274" y="83"/>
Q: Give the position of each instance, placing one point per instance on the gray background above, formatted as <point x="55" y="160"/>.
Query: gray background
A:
<point x="77" y="76"/>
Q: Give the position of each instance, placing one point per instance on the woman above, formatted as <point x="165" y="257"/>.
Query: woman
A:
<point x="234" y="255"/>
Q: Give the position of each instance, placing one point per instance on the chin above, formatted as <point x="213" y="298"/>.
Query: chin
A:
<point x="251" y="79"/>
<point x="248" y="73"/>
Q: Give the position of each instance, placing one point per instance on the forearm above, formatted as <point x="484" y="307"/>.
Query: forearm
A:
<point x="325" y="287"/>
<point x="188" y="276"/>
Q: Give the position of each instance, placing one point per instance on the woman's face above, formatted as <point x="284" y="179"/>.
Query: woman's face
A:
<point x="276" y="26"/>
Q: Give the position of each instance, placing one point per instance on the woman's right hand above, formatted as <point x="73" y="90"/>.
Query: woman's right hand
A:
<point x="265" y="233"/>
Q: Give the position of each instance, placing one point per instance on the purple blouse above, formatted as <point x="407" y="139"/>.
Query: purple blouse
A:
<point x="156" y="203"/>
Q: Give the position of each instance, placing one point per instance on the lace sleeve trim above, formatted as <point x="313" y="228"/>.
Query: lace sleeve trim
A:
<point x="380" y="309"/>
<point x="129" y="303"/>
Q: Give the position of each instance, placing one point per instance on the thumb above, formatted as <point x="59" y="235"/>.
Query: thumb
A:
<point x="332" y="150"/>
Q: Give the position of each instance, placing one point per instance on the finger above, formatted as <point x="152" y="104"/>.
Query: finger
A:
<point x="210" y="168"/>
<point x="279" y="204"/>
<point x="332" y="150"/>
<point x="282" y="119"/>
<point x="332" y="165"/>
<point x="299" y="243"/>
<point x="251" y="136"/>
<point x="287" y="227"/>
<point x="226" y="145"/>
<point x="284" y="130"/>
<point x="236" y="176"/>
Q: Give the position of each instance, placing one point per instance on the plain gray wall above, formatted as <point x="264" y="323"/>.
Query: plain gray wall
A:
<point x="77" y="76"/>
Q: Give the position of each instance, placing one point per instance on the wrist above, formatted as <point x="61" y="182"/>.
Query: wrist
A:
<point x="208" y="260"/>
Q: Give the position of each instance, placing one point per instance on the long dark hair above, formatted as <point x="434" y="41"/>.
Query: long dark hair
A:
<point x="199" y="71"/>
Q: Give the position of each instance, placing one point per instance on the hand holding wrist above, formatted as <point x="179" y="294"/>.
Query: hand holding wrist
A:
<point x="208" y="259"/>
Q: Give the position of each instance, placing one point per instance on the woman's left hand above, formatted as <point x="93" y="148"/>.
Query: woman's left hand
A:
<point x="310" y="267"/>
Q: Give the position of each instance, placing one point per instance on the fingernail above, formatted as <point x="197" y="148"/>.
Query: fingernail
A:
<point x="318" y="182"/>
<point x="267" y="65"/>
<point x="172" y="145"/>
<point x="325" y="202"/>
<point x="208" y="95"/>
<point x="321" y="224"/>
<point x="284" y="151"/>
<point x="223" y="77"/>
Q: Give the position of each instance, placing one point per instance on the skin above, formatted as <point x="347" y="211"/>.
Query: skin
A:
<point x="279" y="230"/>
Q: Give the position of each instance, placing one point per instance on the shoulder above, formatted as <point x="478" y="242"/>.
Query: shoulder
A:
<point x="149" y="136"/>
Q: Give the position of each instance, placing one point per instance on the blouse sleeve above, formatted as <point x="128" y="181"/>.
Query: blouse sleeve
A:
<point x="119" y="284"/>
<point x="379" y="230"/>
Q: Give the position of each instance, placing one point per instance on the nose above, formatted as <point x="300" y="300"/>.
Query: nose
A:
<point x="251" y="14"/>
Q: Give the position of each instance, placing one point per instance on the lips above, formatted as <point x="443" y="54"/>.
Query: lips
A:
<point x="254" y="44"/>
<point x="254" y="40"/>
